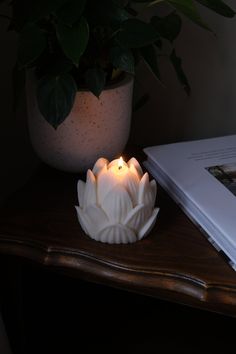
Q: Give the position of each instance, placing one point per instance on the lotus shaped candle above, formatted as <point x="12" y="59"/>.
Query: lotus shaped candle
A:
<point x="116" y="204"/>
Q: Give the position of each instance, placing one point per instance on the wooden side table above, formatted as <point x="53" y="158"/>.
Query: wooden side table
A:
<point x="175" y="262"/>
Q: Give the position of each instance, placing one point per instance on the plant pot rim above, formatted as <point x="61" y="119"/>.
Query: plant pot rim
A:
<point x="125" y="79"/>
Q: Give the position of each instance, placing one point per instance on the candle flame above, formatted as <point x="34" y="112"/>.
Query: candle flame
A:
<point x="120" y="163"/>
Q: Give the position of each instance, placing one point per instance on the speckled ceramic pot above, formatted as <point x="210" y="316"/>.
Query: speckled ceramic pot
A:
<point x="94" y="128"/>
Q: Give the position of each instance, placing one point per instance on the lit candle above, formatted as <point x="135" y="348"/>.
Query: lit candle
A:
<point x="116" y="204"/>
<point x="119" y="168"/>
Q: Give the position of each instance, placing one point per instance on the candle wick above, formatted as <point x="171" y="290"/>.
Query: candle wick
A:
<point x="120" y="167"/>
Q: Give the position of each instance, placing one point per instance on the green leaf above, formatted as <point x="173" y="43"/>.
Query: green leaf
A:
<point x="121" y="3"/>
<point x="131" y="11"/>
<point x="218" y="6"/>
<point x="137" y="56"/>
<point x="188" y="8"/>
<point x="105" y="13"/>
<point x="168" y="26"/>
<point x="95" y="79"/>
<point x="122" y="58"/>
<point x="150" y="58"/>
<point x="41" y="8"/>
<point x="154" y="2"/>
<point x="136" y="34"/>
<point x="148" y="1"/>
<point x="177" y="64"/>
<point x="71" y="11"/>
<point x="32" y="43"/>
<point x="56" y="96"/>
<point x="53" y="64"/>
<point x="30" y="11"/>
<point x="19" y="15"/>
<point x="73" y="40"/>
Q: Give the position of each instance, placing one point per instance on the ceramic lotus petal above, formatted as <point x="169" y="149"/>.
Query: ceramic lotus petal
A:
<point x="137" y="217"/>
<point x="99" y="165"/>
<point x="116" y="233"/>
<point x="80" y="191"/>
<point x="116" y="204"/>
<point x="105" y="183"/>
<point x="149" y="224"/>
<point x="133" y="163"/>
<point x="90" y="191"/>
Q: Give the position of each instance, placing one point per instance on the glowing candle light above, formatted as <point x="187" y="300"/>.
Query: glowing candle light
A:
<point x="116" y="204"/>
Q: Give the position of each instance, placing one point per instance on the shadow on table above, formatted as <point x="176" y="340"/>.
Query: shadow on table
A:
<point x="61" y="315"/>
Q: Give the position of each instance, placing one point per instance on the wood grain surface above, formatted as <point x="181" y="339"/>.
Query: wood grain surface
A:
<point x="174" y="262"/>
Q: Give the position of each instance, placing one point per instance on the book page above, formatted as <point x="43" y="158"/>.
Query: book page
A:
<point x="204" y="172"/>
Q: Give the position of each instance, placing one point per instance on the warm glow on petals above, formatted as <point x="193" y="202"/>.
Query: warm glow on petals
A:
<point x="117" y="202"/>
<point x="143" y="188"/>
<point x="99" y="165"/>
<point x="131" y="184"/>
<point x="133" y="170"/>
<point x="116" y="162"/>
<point x="90" y="192"/>
<point x="105" y="183"/>
<point x="137" y="166"/>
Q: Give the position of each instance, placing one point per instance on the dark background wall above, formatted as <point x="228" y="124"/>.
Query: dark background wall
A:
<point x="209" y="63"/>
<point x="17" y="159"/>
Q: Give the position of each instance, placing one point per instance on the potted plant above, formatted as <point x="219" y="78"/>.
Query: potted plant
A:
<point x="78" y="52"/>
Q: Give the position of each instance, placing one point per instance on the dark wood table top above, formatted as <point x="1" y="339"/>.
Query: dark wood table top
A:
<point x="174" y="262"/>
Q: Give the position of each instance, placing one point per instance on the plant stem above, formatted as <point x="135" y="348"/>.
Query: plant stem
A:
<point x="154" y="2"/>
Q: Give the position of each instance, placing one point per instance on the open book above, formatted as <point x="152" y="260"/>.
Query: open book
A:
<point x="201" y="177"/>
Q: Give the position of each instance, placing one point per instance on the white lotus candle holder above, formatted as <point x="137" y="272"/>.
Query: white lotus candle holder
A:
<point x="116" y="204"/>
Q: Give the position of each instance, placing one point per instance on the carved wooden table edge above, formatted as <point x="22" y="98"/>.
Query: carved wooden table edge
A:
<point x="163" y="282"/>
<point x="159" y="283"/>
